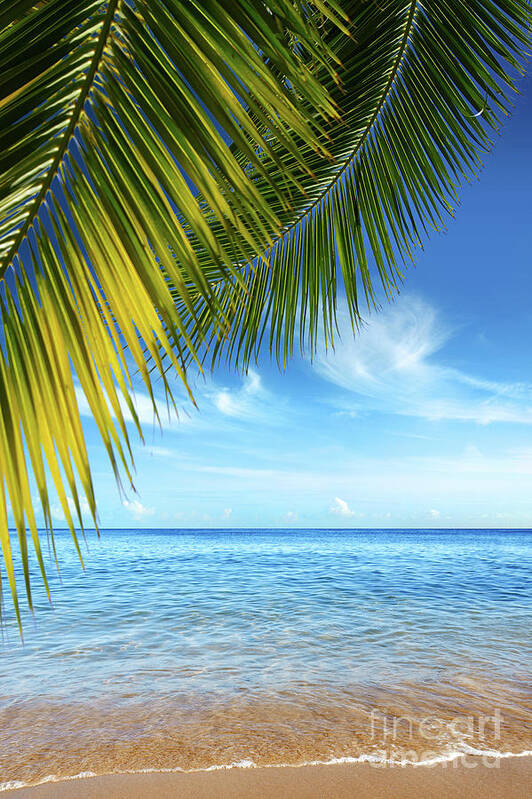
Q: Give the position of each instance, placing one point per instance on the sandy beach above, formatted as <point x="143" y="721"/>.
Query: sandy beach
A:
<point x="507" y="778"/>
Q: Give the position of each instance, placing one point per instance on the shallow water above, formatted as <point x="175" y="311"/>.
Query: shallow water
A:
<point x="189" y="649"/>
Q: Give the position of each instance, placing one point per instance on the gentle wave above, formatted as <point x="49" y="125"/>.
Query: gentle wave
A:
<point x="246" y="764"/>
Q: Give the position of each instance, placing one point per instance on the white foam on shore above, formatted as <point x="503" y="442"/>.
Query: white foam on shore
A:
<point x="244" y="764"/>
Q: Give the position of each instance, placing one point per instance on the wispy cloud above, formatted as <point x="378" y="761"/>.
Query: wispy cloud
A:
<point x="246" y="402"/>
<point x="425" y="481"/>
<point x="394" y="365"/>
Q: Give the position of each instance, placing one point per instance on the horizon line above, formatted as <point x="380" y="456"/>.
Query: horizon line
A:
<point x="291" y="529"/>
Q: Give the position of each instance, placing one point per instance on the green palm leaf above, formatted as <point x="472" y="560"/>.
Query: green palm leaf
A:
<point x="179" y="176"/>
<point x="114" y="116"/>
<point x="424" y="86"/>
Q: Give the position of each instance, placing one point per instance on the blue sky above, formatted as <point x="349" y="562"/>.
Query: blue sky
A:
<point x="424" y="420"/>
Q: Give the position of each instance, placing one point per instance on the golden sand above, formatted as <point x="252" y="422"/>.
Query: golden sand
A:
<point x="43" y="738"/>
<point x="507" y="778"/>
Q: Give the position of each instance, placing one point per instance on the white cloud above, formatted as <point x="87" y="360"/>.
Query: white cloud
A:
<point x="291" y="516"/>
<point x="340" y="507"/>
<point x="57" y="510"/>
<point x="244" y="402"/>
<point x="225" y="403"/>
<point x="227" y="512"/>
<point x="136" y="508"/>
<point x="434" y="513"/>
<point x="392" y="365"/>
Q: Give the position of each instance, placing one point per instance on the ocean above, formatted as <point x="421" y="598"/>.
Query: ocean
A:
<point x="196" y="649"/>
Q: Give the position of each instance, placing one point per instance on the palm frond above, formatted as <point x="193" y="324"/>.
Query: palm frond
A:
<point x="424" y="88"/>
<point x="121" y="123"/>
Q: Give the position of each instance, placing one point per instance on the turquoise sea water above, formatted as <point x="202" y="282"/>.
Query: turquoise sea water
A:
<point x="187" y="648"/>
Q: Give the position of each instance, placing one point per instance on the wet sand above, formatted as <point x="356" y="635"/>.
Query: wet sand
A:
<point x="414" y="721"/>
<point x="509" y="778"/>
